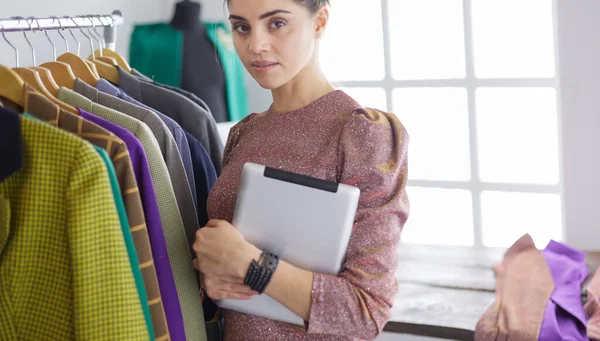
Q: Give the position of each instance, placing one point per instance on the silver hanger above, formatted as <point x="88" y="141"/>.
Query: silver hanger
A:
<point x="90" y="38"/>
<point x="85" y="35"/>
<point x="26" y="38"/>
<point x="100" y="17"/>
<point x="60" y="34"/>
<point x="73" y="35"/>
<point x="95" y="33"/>
<point x="50" y="40"/>
<point x="11" y="45"/>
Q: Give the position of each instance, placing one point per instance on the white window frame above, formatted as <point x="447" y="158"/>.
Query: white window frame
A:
<point x="471" y="83"/>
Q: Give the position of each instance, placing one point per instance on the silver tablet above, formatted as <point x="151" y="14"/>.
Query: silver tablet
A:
<point x="306" y="221"/>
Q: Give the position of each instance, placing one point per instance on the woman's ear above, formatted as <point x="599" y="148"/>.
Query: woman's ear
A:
<point x="321" y="21"/>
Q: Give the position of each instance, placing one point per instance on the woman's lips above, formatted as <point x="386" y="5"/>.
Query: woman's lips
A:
<point x="264" y="66"/>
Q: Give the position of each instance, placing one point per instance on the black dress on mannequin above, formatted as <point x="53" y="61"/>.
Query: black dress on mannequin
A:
<point x="202" y="72"/>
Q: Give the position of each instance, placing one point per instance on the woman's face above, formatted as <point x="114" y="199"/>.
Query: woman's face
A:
<point x="275" y="39"/>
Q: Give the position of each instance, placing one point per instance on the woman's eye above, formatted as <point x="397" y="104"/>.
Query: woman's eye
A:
<point x="277" y="24"/>
<point x="241" y="28"/>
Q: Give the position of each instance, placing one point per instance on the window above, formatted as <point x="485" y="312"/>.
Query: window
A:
<point x="474" y="82"/>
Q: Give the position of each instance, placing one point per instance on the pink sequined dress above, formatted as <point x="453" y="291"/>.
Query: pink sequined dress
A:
<point x="333" y="139"/>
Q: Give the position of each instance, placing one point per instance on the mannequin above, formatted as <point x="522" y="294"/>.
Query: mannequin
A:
<point x="202" y="73"/>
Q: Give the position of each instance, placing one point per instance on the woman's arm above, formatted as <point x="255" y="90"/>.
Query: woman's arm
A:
<point x="373" y="157"/>
<point x="290" y="286"/>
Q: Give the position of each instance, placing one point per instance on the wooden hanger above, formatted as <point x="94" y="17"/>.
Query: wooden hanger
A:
<point x="93" y="68"/>
<point x="11" y="86"/>
<point x="47" y="79"/>
<point x="32" y="78"/>
<point x="107" y="60"/>
<point x="80" y="68"/>
<point x="62" y="73"/>
<point x="122" y="62"/>
<point x="107" y="71"/>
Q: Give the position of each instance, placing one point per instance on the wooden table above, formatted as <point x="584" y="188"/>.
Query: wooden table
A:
<point x="444" y="290"/>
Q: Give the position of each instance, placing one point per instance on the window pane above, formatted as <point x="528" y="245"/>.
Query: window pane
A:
<point x="437" y="122"/>
<point x="368" y="97"/>
<point x="508" y="216"/>
<point x="427" y="39"/>
<point x="439" y="216"/>
<point x="513" y="38"/>
<point x="352" y="47"/>
<point x="517" y="135"/>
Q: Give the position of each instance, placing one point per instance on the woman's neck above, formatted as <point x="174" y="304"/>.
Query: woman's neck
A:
<point x="308" y="85"/>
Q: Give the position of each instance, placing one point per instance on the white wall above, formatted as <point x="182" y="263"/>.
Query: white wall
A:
<point x="579" y="70"/>
<point x="133" y="10"/>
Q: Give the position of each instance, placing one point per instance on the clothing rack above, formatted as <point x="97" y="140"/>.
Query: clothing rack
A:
<point x="108" y="21"/>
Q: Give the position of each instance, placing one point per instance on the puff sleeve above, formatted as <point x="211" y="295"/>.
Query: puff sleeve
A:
<point x="372" y="155"/>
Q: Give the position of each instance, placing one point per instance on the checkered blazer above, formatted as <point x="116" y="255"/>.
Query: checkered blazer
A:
<point x="64" y="269"/>
<point x="39" y="106"/>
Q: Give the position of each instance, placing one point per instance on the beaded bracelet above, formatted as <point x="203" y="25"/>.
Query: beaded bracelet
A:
<point x="260" y="273"/>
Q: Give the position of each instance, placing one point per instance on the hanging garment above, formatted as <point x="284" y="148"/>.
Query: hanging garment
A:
<point x="38" y="106"/>
<point x="157" y="50"/>
<point x="524" y="285"/>
<point x="190" y="116"/>
<point x="592" y="307"/>
<point x="177" y="246"/>
<point x="168" y="148"/>
<point x="125" y="227"/>
<point x="237" y="100"/>
<point x="134" y="261"/>
<point x="332" y="139"/>
<point x="68" y="291"/>
<point x="565" y="318"/>
<point x="164" y="272"/>
<point x="207" y="176"/>
<point x="197" y="152"/>
<point x="180" y="91"/>
<point x="142" y="111"/>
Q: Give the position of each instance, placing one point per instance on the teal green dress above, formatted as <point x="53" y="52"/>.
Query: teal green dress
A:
<point x="157" y="50"/>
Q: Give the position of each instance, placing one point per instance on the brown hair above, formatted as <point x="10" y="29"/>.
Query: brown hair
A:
<point x="312" y="5"/>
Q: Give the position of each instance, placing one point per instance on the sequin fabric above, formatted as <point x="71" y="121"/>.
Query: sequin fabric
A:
<point x="333" y="139"/>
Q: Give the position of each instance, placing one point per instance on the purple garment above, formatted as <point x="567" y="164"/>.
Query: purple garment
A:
<point x="166" y="281"/>
<point x="564" y="318"/>
<point x="174" y="127"/>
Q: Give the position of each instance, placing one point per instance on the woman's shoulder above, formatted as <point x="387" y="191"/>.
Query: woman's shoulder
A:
<point x="244" y="121"/>
<point x="370" y="123"/>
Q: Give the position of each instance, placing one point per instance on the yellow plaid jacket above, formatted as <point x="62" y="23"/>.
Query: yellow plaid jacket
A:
<point x="41" y="107"/>
<point x="64" y="269"/>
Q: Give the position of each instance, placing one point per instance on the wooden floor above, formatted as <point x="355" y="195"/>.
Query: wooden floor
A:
<point x="444" y="290"/>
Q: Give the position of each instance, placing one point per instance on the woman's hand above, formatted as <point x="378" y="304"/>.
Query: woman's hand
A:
<point x="222" y="251"/>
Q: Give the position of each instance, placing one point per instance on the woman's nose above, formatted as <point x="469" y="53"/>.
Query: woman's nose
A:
<point x="259" y="42"/>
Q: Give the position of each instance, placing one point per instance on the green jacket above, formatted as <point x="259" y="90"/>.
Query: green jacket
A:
<point x="156" y="50"/>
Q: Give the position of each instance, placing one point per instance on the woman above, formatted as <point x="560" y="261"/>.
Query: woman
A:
<point x="314" y="130"/>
